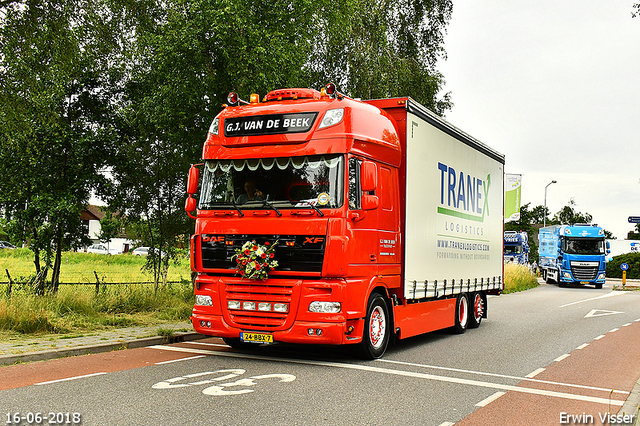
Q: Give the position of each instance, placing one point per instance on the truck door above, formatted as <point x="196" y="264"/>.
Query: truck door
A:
<point x="388" y="216"/>
<point x="363" y="224"/>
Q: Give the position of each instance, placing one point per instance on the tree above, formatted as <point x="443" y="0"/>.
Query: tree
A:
<point x="382" y="48"/>
<point x="569" y="216"/>
<point x="53" y="131"/>
<point x="637" y="10"/>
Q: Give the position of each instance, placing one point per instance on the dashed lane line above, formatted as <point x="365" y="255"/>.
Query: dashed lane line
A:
<point x="402" y="373"/>
<point x="561" y="357"/>
<point x="179" y="360"/>
<point x="534" y="373"/>
<point x="584" y="345"/>
<point x="69" y="378"/>
<point x="489" y="400"/>
<point x="612" y="294"/>
<point x="528" y="377"/>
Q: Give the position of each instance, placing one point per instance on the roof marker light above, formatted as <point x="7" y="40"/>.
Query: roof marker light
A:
<point x="232" y="98"/>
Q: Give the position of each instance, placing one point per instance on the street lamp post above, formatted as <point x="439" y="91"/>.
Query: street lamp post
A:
<point x="544" y="221"/>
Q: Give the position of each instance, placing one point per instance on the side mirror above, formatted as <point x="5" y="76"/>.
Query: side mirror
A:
<point x="190" y="205"/>
<point x="368" y="176"/>
<point x="370" y="202"/>
<point x="192" y="181"/>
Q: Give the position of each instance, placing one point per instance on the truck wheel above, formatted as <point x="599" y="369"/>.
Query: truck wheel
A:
<point x="377" y="328"/>
<point x="462" y="314"/>
<point x="477" y="310"/>
<point x="598" y="286"/>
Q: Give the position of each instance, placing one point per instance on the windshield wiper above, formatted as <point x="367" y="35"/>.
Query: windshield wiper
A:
<point x="316" y="209"/>
<point x="268" y="204"/>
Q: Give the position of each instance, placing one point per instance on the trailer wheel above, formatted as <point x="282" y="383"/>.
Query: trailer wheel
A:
<point x="462" y="314"/>
<point x="477" y="310"/>
<point x="377" y="328"/>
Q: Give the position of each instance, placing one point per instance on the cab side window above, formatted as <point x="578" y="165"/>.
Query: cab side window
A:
<point x="355" y="193"/>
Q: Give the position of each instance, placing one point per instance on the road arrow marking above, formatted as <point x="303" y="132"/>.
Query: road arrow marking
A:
<point x="601" y="313"/>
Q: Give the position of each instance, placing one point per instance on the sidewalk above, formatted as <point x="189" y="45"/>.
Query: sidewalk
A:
<point x="50" y="347"/>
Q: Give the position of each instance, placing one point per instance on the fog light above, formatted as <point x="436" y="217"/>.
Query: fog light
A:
<point x="325" y="307"/>
<point x="202" y="323"/>
<point x="318" y="332"/>
<point x="234" y="304"/>
<point x="249" y="306"/>
<point x="280" y="307"/>
<point x="263" y="306"/>
<point x="209" y="324"/>
<point x="203" y="300"/>
<point x="310" y="332"/>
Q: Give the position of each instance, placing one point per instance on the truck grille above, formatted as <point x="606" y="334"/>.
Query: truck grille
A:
<point x="302" y="253"/>
<point x="585" y="273"/>
<point x="254" y="291"/>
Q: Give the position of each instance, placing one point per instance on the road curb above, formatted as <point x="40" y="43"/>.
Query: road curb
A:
<point x="631" y="405"/>
<point x="99" y="348"/>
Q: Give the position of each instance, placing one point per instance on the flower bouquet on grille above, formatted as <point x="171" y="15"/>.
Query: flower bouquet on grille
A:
<point x="254" y="261"/>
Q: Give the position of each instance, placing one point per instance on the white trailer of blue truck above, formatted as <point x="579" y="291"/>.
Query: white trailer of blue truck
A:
<point x="573" y="254"/>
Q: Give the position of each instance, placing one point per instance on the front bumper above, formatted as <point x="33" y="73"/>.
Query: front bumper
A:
<point x="331" y="333"/>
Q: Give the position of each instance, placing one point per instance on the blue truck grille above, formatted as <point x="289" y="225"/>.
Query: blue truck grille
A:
<point x="584" y="273"/>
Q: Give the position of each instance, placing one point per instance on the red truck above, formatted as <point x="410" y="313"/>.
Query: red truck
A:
<point x="329" y="220"/>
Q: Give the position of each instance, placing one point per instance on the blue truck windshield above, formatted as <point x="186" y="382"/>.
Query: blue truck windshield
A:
<point x="285" y="182"/>
<point x="584" y="246"/>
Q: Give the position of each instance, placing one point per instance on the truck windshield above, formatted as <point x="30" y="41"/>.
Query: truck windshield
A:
<point x="584" y="246"/>
<point x="284" y="182"/>
<point x="512" y="249"/>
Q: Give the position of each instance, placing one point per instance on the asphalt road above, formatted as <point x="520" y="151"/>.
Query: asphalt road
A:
<point x="541" y="353"/>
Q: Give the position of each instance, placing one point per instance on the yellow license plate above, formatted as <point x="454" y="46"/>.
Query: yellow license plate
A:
<point x="256" y="337"/>
<point x="584" y="282"/>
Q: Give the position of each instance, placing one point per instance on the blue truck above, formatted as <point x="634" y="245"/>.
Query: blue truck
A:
<point x="516" y="247"/>
<point x="573" y="254"/>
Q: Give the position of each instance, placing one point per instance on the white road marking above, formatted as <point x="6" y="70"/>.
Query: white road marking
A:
<point x="526" y="378"/>
<point x="627" y="324"/>
<point x="447" y="424"/>
<point x="614" y="330"/>
<point x="489" y="400"/>
<point x="181" y="359"/>
<point x="584" y="345"/>
<point x="601" y="313"/>
<point x="561" y="357"/>
<point x="209" y="344"/>
<point x="599" y="337"/>
<point x="69" y="378"/>
<point x="534" y="373"/>
<point x="612" y="294"/>
<point x="402" y="373"/>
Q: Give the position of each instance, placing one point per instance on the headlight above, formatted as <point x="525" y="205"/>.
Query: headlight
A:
<point x="213" y="129"/>
<point x="567" y="275"/>
<point x="203" y="300"/>
<point x="331" y="117"/>
<point x="325" y="307"/>
<point x="280" y="307"/>
<point x="234" y="304"/>
<point x="601" y="277"/>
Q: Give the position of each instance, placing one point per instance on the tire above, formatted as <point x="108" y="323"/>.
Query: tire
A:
<point x="377" y="328"/>
<point x="599" y="286"/>
<point x="462" y="314"/>
<point x="477" y="310"/>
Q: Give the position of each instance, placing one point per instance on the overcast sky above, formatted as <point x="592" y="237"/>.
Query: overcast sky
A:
<point x="555" y="86"/>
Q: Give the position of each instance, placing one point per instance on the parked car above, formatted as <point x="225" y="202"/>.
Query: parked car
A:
<point x="144" y="251"/>
<point x="102" y="249"/>
<point x="7" y="245"/>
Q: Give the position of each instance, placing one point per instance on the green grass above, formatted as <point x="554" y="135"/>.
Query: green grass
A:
<point x="77" y="309"/>
<point x="80" y="267"/>
<point x="518" y="278"/>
